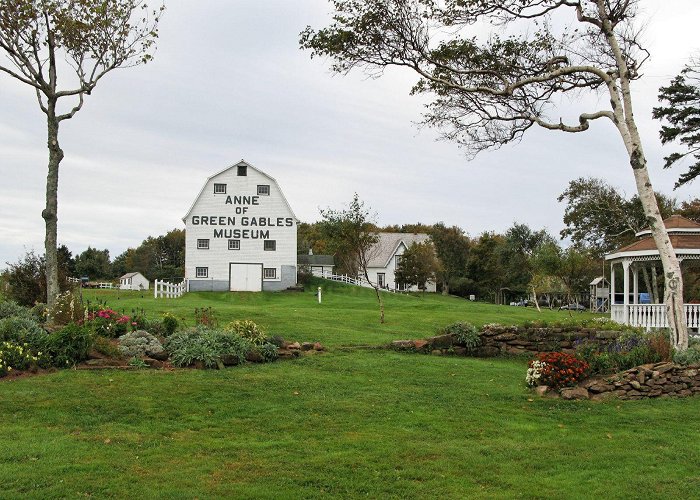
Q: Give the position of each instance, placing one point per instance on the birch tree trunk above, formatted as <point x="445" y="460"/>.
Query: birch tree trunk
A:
<point x="621" y="102"/>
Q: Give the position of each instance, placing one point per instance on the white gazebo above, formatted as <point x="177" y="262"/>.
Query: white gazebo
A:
<point x="685" y="238"/>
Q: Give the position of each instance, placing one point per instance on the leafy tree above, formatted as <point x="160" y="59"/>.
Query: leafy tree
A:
<point x="488" y="91"/>
<point x="484" y="266"/>
<point x="309" y="236"/>
<point x="94" y="264"/>
<point x="26" y="279"/>
<point x="419" y="265"/>
<point x="690" y="209"/>
<point x="452" y="248"/>
<point x="77" y="42"/>
<point x="601" y="218"/>
<point x="352" y="237"/>
<point x="160" y="257"/>
<point x="682" y="112"/>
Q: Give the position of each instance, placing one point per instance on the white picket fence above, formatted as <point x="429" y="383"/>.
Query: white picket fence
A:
<point x="359" y="281"/>
<point x="165" y="289"/>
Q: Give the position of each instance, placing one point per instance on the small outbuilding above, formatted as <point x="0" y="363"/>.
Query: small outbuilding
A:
<point x="134" y="281"/>
<point x="318" y="265"/>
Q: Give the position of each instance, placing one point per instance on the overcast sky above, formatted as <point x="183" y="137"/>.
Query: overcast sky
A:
<point x="228" y="82"/>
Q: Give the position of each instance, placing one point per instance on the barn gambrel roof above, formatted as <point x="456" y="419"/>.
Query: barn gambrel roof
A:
<point x="242" y="162"/>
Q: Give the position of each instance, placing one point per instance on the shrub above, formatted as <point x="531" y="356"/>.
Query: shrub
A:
<point x="68" y="308"/>
<point x="23" y="330"/>
<point x="465" y="333"/>
<point x="690" y="356"/>
<point x="205" y="316"/>
<point x="15" y="356"/>
<point x="630" y="350"/>
<point x="139" y="343"/>
<point x="9" y="309"/>
<point x="138" y="322"/>
<point x="137" y="363"/>
<point x="249" y="330"/>
<point x="69" y="345"/>
<point x="661" y="345"/>
<point x="558" y="369"/>
<point x="108" y="322"/>
<point x="206" y="346"/>
<point x="268" y="352"/>
<point x="276" y="340"/>
<point x="104" y="346"/>
<point x="169" y="323"/>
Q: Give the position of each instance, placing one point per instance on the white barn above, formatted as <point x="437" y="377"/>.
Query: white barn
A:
<point x="385" y="256"/>
<point x="133" y="281"/>
<point x="240" y="234"/>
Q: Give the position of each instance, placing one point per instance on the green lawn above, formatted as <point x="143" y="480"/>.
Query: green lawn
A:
<point x="347" y="423"/>
<point x="348" y="315"/>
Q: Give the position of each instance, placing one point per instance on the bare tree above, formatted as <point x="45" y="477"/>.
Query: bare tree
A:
<point x="489" y="92"/>
<point x="82" y="41"/>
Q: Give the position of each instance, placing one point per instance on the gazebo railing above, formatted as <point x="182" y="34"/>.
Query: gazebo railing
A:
<point x="653" y="315"/>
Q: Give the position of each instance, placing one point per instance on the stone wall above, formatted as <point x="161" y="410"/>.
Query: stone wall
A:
<point x="660" y="380"/>
<point x="511" y="340"/>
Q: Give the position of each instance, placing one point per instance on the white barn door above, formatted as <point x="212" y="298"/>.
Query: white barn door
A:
<point x="246" y="278"/>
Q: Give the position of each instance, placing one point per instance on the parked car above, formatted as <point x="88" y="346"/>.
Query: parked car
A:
<point x="573" y="307"/>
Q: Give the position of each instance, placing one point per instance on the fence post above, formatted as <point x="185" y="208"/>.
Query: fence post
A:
<point x="319" y="295"/>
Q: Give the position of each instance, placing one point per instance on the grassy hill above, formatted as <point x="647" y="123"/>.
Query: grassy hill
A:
<point x="348" y="423"/>
<point x="348" y="315"/>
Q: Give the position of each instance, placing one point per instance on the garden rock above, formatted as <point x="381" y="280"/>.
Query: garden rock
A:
<point x="307" y="346"/>
<point x="442" y="341"/>
<point x="254" y="357"/>
<point x="570" y="393"/>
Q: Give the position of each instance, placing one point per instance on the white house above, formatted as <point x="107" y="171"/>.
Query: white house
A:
<point x="317" y="265"/>
<point x="133" y="281"/>
<point x="240" y="234"/>
<point x="385" y="256"/>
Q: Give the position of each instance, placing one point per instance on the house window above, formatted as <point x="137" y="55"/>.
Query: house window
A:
<point x="203" y="244"/>
<point x="219" y="188"/>
<point x="270" y="273"/>
<point x="270" y="245"/>
<point x="381" y="280"/>
<point x="264" y="190"/>
<point x="242" y="170"/>
<point x="234" y="244"/>
<point x="397" y="260"/>
<point x="202" y="272"/>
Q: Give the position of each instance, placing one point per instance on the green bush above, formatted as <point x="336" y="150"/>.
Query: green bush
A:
<point x="690" y="356"/>
<point x="206" y="346"/>
<point x="169" y="324"/>
<point x="104" y="346"/>
<point x="16" y="356"/>
<point x="9" y="309"/>
<point x="139" y="343"/>
<point x="23" y="329"/>
<point x="630" y="350"/>
<point x="248" y="330"/>
<point x="69" y="345"/>
<point x="465" y="333"/>
<point x="268" y="352"/>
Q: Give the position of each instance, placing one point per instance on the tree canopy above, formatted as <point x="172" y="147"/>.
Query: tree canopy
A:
<point x="682" y="113"/>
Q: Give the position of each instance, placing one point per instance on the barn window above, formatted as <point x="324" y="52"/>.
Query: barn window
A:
<point x="219" y="188"/>
<point x="270" y="273"/>
<point x="264" y="190"/>
<point x="242" y="170"/>
<point x="234" y="244"/>
<point x="203" y="244"/>
<point x="202" y="272"/>
<point x="270" y="245"/>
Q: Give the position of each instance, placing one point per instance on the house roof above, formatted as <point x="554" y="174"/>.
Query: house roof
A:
<point x="679" y="242"/>
<point x="242" y="162"/>
<point x="389" y="243"/>
<point x="315" y="260"/>
<point x="129" y="275"/>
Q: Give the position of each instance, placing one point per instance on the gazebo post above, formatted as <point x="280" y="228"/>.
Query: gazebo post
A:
<point x="626" y="290"/>
<point x="635" y="284"/>
<point x="612" y="284"/>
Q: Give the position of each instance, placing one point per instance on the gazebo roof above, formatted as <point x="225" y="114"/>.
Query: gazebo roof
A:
<point x="683" y="233"/>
